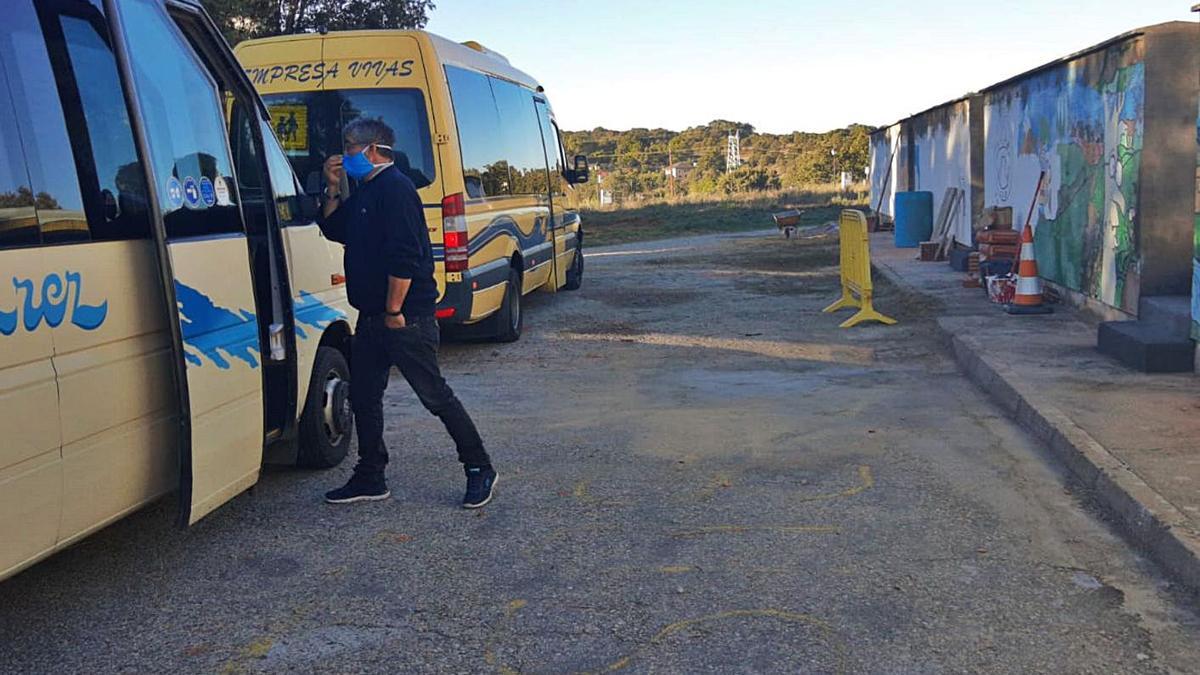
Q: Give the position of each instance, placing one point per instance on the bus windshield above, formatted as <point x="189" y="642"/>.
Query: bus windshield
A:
<point x="309" y="126"/>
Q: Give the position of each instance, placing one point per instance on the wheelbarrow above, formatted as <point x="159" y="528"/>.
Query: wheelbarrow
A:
<point x="788" y="222"/>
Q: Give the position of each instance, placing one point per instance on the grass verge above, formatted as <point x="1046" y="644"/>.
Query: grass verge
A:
<point x="664" y="220"/>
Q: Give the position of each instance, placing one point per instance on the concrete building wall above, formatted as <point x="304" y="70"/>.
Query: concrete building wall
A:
<point x="884" y="143"/>
<point x="1166" y="215"/>
<point x="1196" y="243"/>
<point x="941" y="159"/>
<point x="1082" y="122"/>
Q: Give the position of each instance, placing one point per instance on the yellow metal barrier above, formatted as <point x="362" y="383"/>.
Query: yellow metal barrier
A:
<point x="856" y="271"/>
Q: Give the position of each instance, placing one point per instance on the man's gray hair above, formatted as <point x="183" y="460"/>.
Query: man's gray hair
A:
<point x="364" y="131"/>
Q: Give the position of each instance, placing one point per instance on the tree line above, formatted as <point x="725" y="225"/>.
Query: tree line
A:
<point x="245" y="19"/>
<point x="634" y="162"/>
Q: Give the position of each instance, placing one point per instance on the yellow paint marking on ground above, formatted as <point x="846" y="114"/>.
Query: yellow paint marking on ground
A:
<point x="390" y="537"/>
<point x="515" y="606"/>
<point x="676" y="569"/>
<point x="581" y="490"/>
<point x="804" y="351"/>
<point x="739" y="529"/>
<point x="866" y="482"/>
<point x="259" y="648"/>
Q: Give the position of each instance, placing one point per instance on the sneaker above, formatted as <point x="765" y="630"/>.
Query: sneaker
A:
<point x="480" y="482"/>
<point x="360" y="488"/>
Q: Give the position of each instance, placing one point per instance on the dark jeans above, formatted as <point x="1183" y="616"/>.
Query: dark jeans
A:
<point x="413" y="350"/>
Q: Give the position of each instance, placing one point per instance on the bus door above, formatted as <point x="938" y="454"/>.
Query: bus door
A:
<point x="557" y="232"/>
<point x="204" y="257"/>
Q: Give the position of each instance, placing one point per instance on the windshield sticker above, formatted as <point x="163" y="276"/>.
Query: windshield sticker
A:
<point x="53" y="308"/>
<point x="290" y="123"/>
<point x="221" y="189"/>
<point x="191" y="193"/>
<point x="174" y="193"/>
<point x="207" y="194"/>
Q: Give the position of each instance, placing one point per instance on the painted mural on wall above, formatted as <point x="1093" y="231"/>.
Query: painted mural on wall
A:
<point x="1081" y="123"/>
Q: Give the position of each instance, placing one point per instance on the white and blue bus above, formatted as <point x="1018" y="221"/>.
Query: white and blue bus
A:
<point x="170" y="315"/>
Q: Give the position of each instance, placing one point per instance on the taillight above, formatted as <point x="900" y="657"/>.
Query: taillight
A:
<point x="454" y="232"/>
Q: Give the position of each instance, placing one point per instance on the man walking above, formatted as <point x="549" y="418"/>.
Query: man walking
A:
<point x="389" y="280"/>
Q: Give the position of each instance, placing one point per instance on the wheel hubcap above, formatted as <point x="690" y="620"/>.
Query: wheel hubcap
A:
<point x="337" y="416"/>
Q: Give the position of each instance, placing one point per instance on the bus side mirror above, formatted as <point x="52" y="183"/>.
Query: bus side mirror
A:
<point x="579" y="174"/>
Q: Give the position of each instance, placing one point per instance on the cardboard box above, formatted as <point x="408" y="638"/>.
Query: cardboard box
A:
<point x="1002" y="218"/>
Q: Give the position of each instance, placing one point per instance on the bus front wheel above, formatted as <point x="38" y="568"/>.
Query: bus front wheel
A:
<point x="326" y="423"/>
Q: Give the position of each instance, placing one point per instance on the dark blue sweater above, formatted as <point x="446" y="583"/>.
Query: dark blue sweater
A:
<point x="383" y="228"/>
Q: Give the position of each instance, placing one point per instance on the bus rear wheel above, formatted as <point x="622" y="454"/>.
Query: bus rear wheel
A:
<point x="326" y="423"/>
<point x="509" y="319"/>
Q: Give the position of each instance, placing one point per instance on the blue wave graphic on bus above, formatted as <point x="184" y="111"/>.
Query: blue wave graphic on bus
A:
<point x="213" y="330"/>
<point x="311" y="311"/>
<point x="52" y="308"/>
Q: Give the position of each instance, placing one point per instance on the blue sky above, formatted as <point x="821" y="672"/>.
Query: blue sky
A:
<point x="781" y="65"/>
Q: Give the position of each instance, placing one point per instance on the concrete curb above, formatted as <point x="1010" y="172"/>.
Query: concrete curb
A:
<point x="1142" y="515"/>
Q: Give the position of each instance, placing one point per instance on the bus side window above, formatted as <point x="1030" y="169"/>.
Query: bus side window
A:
<point x="561" y="186"/>
<point x="283" y="181"/>
<point x="51" y="187"/>
<point x="18" y="218"/>
<point x="247" y="156"/>
<point x="185" y="123"/>
<point x="521" y="139"/>
<point x="485" y="167"/>
<point x="111" y="177"/>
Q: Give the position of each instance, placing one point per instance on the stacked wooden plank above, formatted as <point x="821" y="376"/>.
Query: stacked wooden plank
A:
<point x="943" y="227"/>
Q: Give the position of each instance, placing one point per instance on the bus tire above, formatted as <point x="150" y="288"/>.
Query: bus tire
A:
<point x="326" y="424"/>
<point x="575" y="272"/>
<point x="510" y="318"/>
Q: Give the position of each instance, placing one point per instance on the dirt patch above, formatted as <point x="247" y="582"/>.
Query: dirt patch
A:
<point x="756" y="255"/>
<point x="780" y="285"/>
<point x="647" y="297"/>
<point x="605" y="328"/>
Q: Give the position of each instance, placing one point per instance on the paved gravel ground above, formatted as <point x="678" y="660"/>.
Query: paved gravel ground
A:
<point x="699" y="472"/>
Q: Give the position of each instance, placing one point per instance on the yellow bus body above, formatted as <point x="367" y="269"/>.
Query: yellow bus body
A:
<point x="522" y="230"/>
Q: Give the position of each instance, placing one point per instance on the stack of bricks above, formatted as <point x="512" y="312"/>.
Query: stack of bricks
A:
<point x="998" y="241"/>
<point x="998" y="238"/>
<point x="972" y="280"/>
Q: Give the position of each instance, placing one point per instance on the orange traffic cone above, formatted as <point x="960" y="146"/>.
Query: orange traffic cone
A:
<point x="1028" y="298"/>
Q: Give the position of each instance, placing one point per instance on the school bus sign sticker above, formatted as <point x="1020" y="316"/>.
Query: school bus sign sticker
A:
<point x="290" y="123"/>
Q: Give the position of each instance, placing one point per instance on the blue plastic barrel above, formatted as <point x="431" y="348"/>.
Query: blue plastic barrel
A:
<point x="914" y="218"/>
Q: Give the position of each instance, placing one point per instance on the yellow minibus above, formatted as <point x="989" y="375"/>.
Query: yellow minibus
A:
<point x="478" y="138"/>
<point x="170" y="316"/>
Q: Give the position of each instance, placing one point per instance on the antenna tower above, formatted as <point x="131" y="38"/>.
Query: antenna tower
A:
<point x="733" y="153"/>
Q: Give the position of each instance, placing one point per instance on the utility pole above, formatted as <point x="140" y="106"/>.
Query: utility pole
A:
<point x="733" y="153"/>
<point x="671" y="171"/>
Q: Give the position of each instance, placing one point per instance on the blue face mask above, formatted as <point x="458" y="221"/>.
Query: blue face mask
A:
<point x="357" y="166"/>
